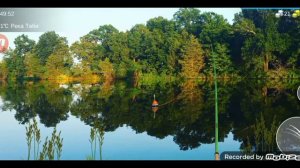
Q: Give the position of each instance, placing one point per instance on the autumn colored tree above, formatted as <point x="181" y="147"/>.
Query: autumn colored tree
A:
<point x="33" y="66"/>
<point x="193" y="59"/>
<point x="3" y="70"/>
<point x="107" y="69"/>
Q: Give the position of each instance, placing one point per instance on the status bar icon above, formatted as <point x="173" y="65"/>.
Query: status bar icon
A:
<point x="296" y="14"/>
<point x="279" y="14"/>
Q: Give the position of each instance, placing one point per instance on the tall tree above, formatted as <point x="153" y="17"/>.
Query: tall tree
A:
<point x="118" y="50"/>
<point x="15" y="58"/>
<point x="138" y="44"/>
<point x="46" y="45"/>
<point x="193" y="59"/>
<point x="60" y="61"/>
<point x="171" y="43"/>
<point x="216" y="35"/>
<point x="32" y="65"/>
<point x="88" y="52"/>
<point x="291" y="56"/>
<point x="222" y="61"/>
<point x="266" y="43"/>
<point x="23" y="44"/>
<point x="103" y="35"/>
<point x="188" y="19"/>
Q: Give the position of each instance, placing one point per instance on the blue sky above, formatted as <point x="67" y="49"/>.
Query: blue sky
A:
<point x="122" y="18"/>
<point x="76" y="22"/>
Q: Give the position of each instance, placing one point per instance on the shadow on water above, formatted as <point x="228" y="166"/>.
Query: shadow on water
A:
<point x="186" y="113"/>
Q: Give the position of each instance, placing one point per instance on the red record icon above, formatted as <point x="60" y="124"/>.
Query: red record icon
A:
<point x="3" y="43"/>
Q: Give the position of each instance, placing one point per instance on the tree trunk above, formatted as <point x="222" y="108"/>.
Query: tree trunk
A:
<point x="135" y="78"/>
<point x="265" y="94"/>
<point x="266" y="63"/>
<point x="264" y="91"/>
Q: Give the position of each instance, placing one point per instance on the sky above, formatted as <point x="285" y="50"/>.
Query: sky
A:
<point x="77" y="22"/>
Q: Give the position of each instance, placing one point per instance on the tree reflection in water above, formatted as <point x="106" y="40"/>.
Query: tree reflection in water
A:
<point x="187" y="113"/>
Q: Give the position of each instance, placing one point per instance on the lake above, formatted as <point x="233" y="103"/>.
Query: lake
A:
<point x="115" y="121"/>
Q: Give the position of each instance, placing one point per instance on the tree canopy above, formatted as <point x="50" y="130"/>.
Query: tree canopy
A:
<point x="256" y="45"/>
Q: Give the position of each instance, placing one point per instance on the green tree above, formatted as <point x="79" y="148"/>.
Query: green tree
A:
<point x="15" y="58"/>
<point x="117" y="47"/>
<point x="266" y="43"/>
<point x="171" y="44"/>
<point x="216" y="35"/>
<point x="136" y="41"/>
<point x="15" y="65"/>
<point x="106" y="41"/>
<point x="155" y="56"/>
<point x="23" y="44"/>
<point x="89" y="53"/>
<point x="33" y="66"/>
<point x="188" y="19"/>
<point x="3" y="70"/>
<point x="102" y="36"/>
<point x="222" y="60"/>
<point x="291" y="56"/>
<point x="137" y="44"/>
<point x="104" y="32"/>
<point x="107" y="69"/>
<point x="243" y="28"/>
<point x="59" y="62"/>
<point x="47" y="44"/>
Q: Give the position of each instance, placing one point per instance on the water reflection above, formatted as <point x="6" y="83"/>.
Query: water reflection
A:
<point x="154" y="109"/>
<point x="96" y="140"/>
<point x="52" y="147"/>
<point x="185" y="112"/>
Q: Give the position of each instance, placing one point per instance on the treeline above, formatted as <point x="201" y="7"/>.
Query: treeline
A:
<point x="256" y="45"/>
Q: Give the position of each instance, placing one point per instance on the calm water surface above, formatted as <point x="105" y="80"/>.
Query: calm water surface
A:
<point x="182" y="128"/>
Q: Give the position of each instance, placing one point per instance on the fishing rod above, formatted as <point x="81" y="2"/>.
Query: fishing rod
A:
<point x="217" y="157"/>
